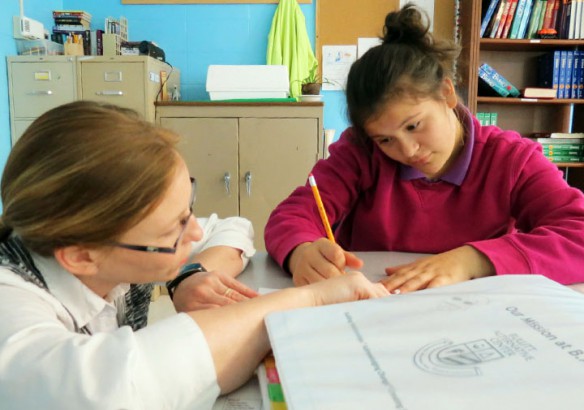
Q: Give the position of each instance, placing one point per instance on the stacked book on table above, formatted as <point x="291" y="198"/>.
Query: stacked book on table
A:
<point x="561" y="147"/>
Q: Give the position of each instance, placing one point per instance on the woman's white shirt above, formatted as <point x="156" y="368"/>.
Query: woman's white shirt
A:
<point x="45" y="364"/>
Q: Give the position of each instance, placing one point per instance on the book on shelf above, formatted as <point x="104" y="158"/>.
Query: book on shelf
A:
<point x="497" y="78"/>
<point x="504" y="17"/>
<point x="548" y="16"/>
<point x="521" y="10"/>
<point x="509" y="18"/>
<point x="538" y="92"/>
<point x="558" y="135"/>
<point x="488" y="86"/>
<point x="488" y="16"/>
<point x="496" y="20"/>
<point x="534" y="19"/>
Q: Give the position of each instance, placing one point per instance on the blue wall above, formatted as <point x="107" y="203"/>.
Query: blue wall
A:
<point x="192" y="36"/>
<point x="36" y="9"/>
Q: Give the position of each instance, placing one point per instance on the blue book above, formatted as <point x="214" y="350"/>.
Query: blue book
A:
<point x="580" y="74"/>
<point x="491" y="83"/>
<point x="502" y="81"/>
<point x="569" y="74"/>
<point x="488" y="16"/>
<point x="522" y="32"/>
<point x="519" y="10"/>
<point x="562" y="79"/>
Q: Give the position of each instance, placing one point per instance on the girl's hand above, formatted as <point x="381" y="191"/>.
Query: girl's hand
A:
<point x="446" y="268"/>
<point x="319" y="260"/>
<point x="209" y="290"/>
<point x="349" y="287"/>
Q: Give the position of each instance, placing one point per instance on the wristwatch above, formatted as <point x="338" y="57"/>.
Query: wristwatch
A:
<point x="185" y="272"/>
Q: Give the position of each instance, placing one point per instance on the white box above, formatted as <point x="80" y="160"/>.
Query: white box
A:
<point x="227" y="82"/>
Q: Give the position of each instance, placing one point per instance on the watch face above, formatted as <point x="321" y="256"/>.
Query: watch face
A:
<point x="192" y="267"/>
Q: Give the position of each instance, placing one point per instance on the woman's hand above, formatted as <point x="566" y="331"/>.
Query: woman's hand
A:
<point x="319" y="260"/>
<point x="445" y="268"/>
<point x="346" y="288"/>
<point x="205" y="290"/>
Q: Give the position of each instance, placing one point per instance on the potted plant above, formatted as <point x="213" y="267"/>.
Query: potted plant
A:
<point x="312" y="84"/>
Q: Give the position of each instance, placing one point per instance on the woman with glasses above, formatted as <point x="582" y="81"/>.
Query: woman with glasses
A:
<point x="95" y="199"/>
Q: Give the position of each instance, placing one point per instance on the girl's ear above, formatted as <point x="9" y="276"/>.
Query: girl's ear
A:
<point x="78" y="260"/>
<point x="449" y="93"/>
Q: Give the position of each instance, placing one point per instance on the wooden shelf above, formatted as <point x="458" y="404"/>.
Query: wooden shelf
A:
<point x="569" y="164"/>
<point x="498" y="44"/>
<point x="502" y="100"/>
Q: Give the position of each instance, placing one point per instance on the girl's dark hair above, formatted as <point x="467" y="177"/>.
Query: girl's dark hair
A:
<point x="409" y="62"/>
<point x="84" y="173"/>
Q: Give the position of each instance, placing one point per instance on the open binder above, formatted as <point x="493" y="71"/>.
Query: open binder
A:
<point x="506" y="342"/>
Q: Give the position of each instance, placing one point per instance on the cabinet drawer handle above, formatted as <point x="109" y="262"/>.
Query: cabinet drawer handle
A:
<point x="48" y="92"/>
<point x="248" y="182"/>
<point x="227" y="181"/>
<point x="106" y="92"/>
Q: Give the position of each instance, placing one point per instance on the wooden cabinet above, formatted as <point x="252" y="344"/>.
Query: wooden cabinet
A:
<point x="37" y="84"/>
<point x="516" y="60"/>
<point x="246" y="157"/>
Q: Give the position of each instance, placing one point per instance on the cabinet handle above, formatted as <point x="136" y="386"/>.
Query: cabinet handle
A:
<point x="248" y="182"/>
<point x="106" y="92"/>
<point x="48" y="92"/>
<point x="227" y="180"/>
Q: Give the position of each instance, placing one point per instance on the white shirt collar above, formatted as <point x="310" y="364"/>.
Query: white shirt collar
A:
<point x="81" y="302"/>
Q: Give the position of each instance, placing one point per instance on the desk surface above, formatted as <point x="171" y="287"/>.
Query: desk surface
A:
<point x="263" y="272"/>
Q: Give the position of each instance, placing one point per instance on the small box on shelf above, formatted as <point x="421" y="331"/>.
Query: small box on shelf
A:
<point x="38" y="47"/>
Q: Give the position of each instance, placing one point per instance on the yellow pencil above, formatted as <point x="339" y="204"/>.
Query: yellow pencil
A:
<point x="321" y="210"/>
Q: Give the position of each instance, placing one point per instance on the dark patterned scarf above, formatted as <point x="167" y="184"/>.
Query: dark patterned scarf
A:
<point x="15" y="257"/>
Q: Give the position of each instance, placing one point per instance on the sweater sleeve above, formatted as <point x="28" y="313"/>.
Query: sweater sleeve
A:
<point x="340" y="178"/>
<point x="549" y="215"/>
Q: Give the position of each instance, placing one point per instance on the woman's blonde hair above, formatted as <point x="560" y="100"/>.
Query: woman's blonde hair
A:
<point x="84" y="173"/>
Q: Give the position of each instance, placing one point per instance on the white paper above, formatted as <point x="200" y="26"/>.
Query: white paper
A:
<point x="365" y="43"/>
<point x="426" y="5"/>
<point x="509" y="342"/>
<point x="247" y="397"/>
<point x="336" y="62"/>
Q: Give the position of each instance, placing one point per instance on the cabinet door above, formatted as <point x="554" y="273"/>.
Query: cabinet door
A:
<point x="276" y="154"/>
<point x="19" y="126"/>
<point x="120" y="83"/>
<point x="38" y="87"/>
<point x="209" y="147"/>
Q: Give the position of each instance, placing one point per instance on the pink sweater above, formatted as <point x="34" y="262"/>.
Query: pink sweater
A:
<point x="513" y="205"/>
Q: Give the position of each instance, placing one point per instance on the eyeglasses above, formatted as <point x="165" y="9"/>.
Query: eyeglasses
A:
<point x="162" y="249"/>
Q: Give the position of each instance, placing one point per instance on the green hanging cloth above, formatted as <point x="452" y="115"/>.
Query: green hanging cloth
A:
<point x="288" y="44"/>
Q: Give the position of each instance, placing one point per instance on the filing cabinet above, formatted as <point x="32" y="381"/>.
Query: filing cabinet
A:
<point x="37" y="84"/>
<point x="246" y="157"/>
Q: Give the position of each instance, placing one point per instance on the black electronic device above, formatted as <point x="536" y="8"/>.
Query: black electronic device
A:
<point x="148" y="48"/>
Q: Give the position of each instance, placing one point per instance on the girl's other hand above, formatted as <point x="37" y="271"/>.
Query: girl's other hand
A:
<point x="319" y="260"/>
<point x="445" y="268"/>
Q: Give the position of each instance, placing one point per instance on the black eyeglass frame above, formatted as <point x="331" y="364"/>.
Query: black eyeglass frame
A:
<point x="163" y="249"/>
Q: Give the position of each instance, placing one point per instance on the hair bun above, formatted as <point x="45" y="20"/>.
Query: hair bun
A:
<point x="406" y="25"/>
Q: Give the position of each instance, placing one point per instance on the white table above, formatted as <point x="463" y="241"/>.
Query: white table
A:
<point x="262" y="271"/>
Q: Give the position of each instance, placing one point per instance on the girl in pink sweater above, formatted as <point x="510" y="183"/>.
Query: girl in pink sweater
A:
<point x="417" y="173"/>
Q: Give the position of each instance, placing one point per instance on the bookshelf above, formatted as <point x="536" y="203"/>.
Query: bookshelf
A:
<point x="516" y="60"/>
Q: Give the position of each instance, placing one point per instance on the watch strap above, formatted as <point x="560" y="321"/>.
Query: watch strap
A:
<point x="185" y="272"/>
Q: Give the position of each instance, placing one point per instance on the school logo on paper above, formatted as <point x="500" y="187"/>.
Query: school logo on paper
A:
<point x="457" y="360"/>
